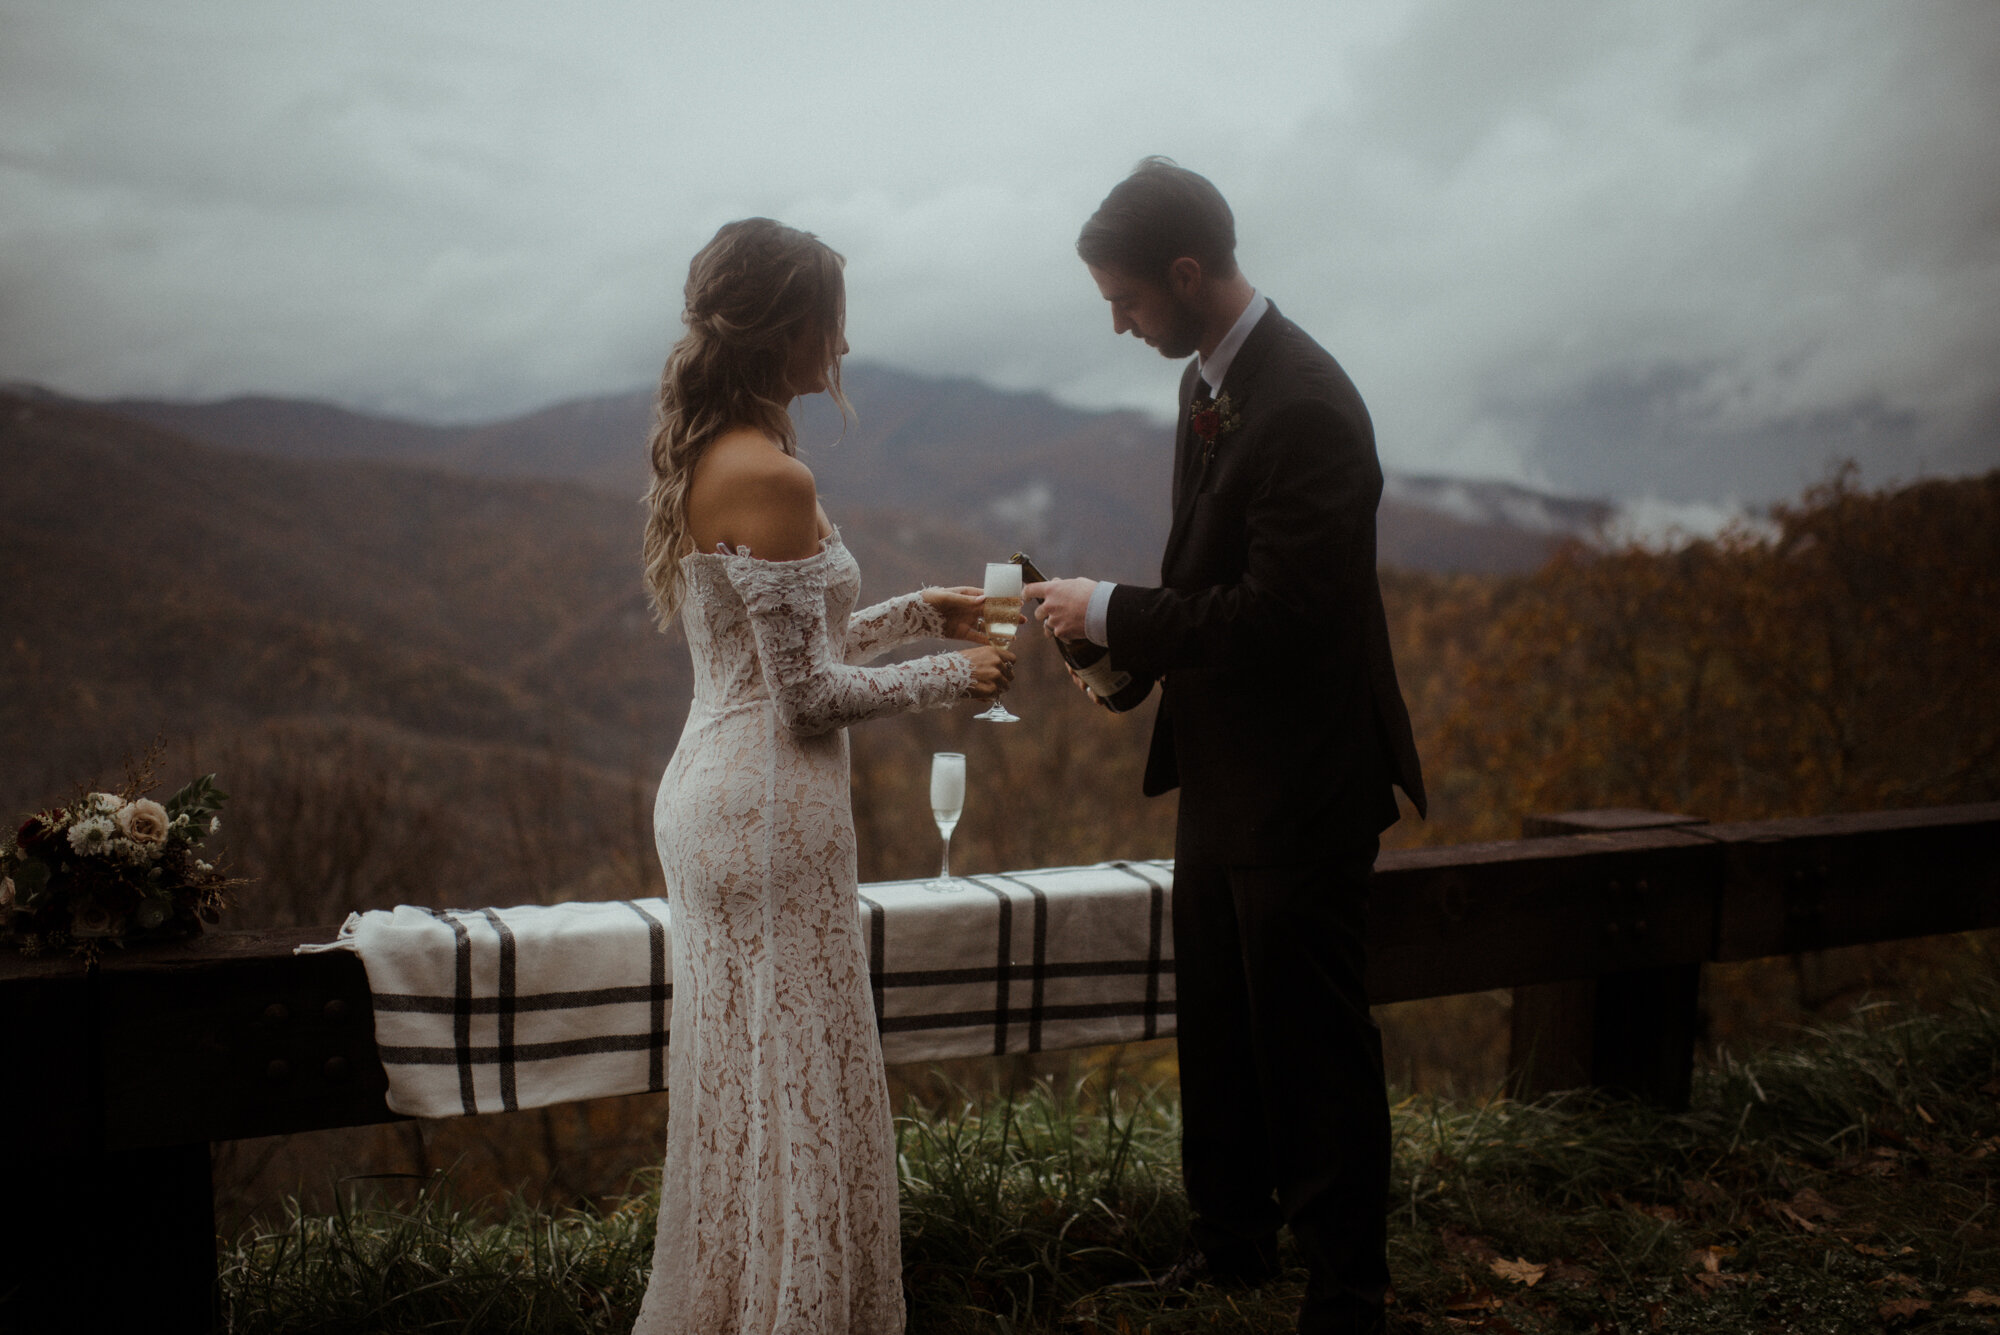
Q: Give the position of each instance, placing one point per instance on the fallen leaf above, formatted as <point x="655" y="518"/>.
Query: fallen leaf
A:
<point x="1704" y="1193"/>
<point x="1979" y="1298"/>
<point x="1479" y="1300"/>
<point x="1790" y="1216"/>
<point x="1522" y="1271"/>
<point x="1867" y="1250"/>
<point x="1811" y="1205"/>
<point x="1902" y="1309"/>
<point x="1710" y="1258"/>
<point x="1928" y="1119"/>
<point x="1897" y="1280"/>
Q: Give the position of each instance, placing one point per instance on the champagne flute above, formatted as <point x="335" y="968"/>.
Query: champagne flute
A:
<point x="947" y="802"/>
<point x="1003" y="618"/>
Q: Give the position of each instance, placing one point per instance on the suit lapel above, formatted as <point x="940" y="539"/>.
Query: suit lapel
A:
<point x="1191" y="469"/>
<point x="1184" y="485"/>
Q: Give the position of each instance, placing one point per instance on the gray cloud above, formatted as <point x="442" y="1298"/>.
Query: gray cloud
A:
<point x="1694" y="251"/>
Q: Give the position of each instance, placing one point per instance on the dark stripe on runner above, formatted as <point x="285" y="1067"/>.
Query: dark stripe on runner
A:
<point x="1038" y="967"/>
<point x="604" y="1043"/>
<point x="659" y="993"/>
<point x="421" y="1003"/>
<point x="523" y="1052"/>
<point x="1097" y="1010"/>
<point x="509" y="1102"/>
<point x="1157" y="912"/>
<point x="877" y="948"/>
<point x="1003" y="968"/>
<point x="461" y="1015"/>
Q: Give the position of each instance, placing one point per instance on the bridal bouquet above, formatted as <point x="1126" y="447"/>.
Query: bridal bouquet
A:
<point x="112" y="866"/>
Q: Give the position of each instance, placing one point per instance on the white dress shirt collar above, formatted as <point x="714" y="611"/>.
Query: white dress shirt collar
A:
<point x="1212" y="368"/>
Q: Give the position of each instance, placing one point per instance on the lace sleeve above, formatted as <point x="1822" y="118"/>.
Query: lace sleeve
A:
<point x="814" y="692"/>
<point x="875" y="630"/>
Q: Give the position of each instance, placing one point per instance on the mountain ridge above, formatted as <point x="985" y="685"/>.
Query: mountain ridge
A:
<point x="1069" y="484"/>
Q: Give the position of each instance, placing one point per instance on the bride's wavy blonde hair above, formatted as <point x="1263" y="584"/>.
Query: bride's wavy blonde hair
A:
<point x="753" y="294"/>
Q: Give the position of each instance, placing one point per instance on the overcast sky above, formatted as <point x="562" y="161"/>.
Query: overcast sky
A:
<point x="1694" y="251"/>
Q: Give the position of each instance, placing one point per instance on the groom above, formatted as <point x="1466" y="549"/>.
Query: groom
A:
<point x="1281" y="723"/>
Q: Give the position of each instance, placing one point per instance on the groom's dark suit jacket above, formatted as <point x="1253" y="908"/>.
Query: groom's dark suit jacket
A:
<point x="1280" y="718"/>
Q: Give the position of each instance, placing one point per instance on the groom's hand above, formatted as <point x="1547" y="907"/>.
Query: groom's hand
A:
<point x="1064" y="605"/>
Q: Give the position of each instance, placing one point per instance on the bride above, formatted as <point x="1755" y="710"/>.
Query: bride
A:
<point x="778" y="1199"/>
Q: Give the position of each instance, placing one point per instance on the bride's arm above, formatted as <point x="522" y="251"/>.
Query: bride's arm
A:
<point x="950" y="614"/>
<point x="813" y="690"/>
<point x="774" y="512"/>
<point x="873" y="631"/>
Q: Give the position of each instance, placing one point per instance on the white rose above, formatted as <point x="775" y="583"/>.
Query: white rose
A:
<point x="143" y="821"/>
<point x="106" y="803"/>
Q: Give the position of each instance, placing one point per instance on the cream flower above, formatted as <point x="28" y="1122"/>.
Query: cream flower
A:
<point x="125" y="850"/>
<point x="104" y="803"/>
<point x="6" y="892"/>
<point x="91" y="836"/>
<point x="143" y="821"/>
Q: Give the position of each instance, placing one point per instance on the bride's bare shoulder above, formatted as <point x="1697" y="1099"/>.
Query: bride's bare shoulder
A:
<point x="747" y="492"/>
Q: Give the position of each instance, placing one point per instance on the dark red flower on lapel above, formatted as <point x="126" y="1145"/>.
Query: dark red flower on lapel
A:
<point x="1211" y="419"/>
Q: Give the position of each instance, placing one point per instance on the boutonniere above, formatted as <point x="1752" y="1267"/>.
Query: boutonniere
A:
<point x="1211" y="419"/>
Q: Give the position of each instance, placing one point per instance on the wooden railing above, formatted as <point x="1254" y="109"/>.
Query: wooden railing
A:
<point x="120" y="1078"/>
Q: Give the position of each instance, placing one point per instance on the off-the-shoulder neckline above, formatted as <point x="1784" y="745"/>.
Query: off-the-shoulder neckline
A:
<point x="826" y="546"/>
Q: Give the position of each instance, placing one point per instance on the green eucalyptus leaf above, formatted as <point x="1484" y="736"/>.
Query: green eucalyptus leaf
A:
<point x="199" y="798"/>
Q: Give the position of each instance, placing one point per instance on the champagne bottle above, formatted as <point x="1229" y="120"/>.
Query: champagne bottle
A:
<point x="1118" y="689"/>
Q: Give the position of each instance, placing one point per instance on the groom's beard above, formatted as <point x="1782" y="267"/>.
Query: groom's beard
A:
<point x="1182" y="336"/>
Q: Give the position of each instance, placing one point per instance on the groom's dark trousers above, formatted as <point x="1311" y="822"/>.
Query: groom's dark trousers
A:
<point x="1292" y="1125"/>
<point x="1281" y="723"/>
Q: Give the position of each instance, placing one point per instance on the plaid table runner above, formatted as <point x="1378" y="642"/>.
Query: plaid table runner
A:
<point x="484" y="1010"/>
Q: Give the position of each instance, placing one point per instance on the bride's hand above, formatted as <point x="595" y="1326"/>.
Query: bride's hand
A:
<point x="992" y="671"/>
<point x="960" y="609"/>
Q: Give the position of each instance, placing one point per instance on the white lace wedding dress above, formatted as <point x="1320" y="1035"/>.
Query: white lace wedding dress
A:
<point x="778" y="1200"/>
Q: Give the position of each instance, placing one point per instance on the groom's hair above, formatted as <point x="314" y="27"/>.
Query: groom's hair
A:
<point x="1159" y="213"/>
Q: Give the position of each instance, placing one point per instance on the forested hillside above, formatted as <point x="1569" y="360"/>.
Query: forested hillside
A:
<point x="429" y="685"/>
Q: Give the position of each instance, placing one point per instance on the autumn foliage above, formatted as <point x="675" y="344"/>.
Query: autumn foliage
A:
<point x="1840" y="659"/>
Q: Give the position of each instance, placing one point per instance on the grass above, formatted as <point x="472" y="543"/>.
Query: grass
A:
<point x="1844" y="1182"/>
